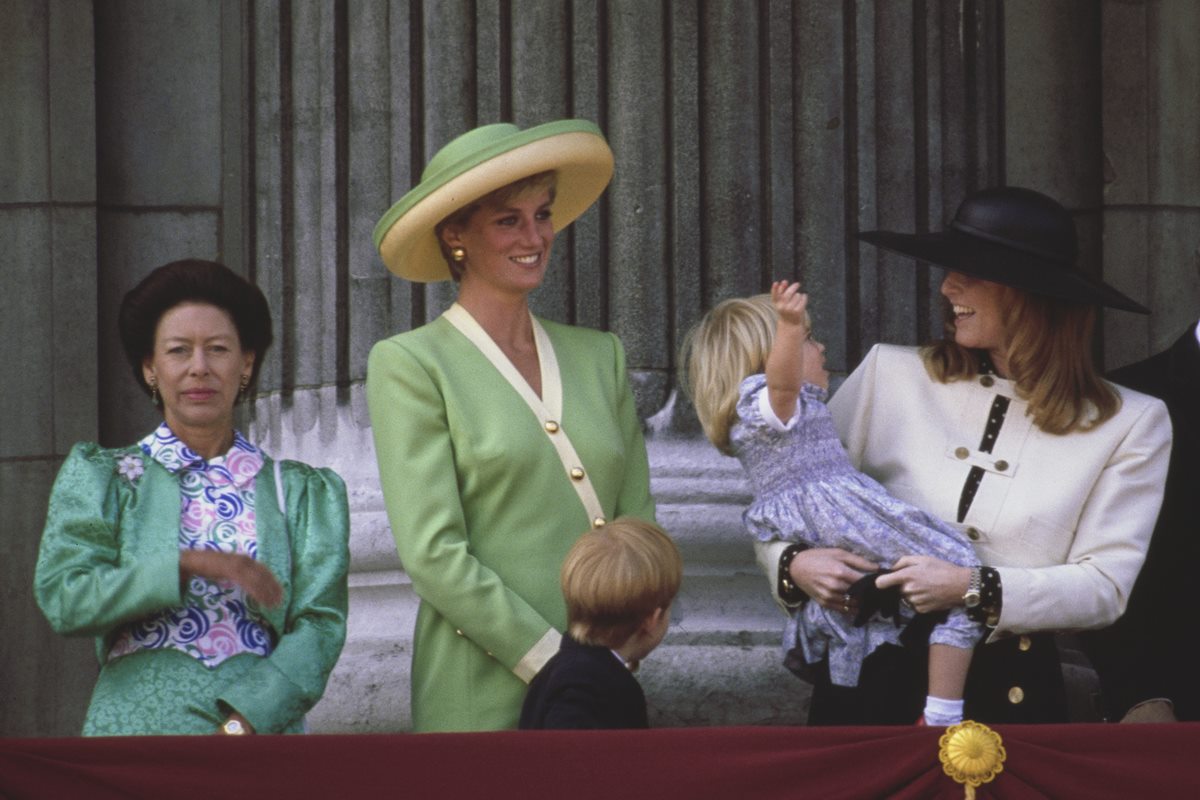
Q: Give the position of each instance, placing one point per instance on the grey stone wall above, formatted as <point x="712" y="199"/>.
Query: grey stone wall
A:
<point x="1150" y="114"/>
<point x="48" y="352"/>
<point x="1098" y="114"/>
<point x="114" y="121"/>
<point x="749" y="146"/>
<point x="752" y="141"/>
<point x="167" y="133"/>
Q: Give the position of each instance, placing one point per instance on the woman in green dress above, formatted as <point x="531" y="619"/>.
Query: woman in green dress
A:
<point x="501" y="437"/>
<point x="213" y="577"/>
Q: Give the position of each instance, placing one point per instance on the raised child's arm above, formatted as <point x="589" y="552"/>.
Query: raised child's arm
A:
<point x="785" y="362"/>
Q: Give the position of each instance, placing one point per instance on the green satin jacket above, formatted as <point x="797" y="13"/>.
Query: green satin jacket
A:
<point x="110" y="555"/>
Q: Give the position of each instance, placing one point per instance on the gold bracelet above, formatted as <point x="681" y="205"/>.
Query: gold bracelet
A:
<point x="789" y="592"/>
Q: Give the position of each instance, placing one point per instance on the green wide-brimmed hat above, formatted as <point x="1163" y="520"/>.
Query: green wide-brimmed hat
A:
<point x="479" y="162"/>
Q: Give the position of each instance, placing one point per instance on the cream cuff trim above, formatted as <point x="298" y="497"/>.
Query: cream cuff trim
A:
<point x="768" y="554"/>
<point x="532" y="662"/>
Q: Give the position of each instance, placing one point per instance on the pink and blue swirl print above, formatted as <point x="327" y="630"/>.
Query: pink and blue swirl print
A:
<point x="216" y="513"/>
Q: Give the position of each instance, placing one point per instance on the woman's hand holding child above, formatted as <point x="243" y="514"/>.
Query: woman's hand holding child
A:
<point x="927" y="583"/>
<point x="826" y="573"/>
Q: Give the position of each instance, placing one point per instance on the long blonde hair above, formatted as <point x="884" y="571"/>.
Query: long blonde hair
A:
<point x="728" y="344"/>
<point x="1049" y="351"/>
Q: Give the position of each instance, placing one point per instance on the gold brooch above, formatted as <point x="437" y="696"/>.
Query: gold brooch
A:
<point x="972" y="754"/>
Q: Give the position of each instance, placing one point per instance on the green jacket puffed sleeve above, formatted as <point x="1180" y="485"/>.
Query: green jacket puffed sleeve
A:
<point x="110" y="555"/>
<point x="312" y="627"/>
<point x="91" y="576"/>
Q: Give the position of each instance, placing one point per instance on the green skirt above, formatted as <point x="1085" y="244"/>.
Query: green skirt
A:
<point x="164" y="692"/>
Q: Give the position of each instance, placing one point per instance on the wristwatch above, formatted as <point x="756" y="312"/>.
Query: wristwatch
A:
<point x="974" y="594"/>
<point x="232" y="727"/>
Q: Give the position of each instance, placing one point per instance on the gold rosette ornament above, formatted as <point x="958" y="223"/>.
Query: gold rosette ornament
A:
<point x="972" y="754"/>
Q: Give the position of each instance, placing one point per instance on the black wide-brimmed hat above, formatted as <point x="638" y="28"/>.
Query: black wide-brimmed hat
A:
<point x="1014" y="236"/>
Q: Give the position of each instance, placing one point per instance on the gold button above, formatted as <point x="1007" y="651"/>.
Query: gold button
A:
<point x="489" y="652"/>
<point x="458" y="631"/>
<point x="962" y="452"/>
<point x="987" y="380"/>
<point x="1016" y="694"/>
<point x="551" y="426"/>
<point x="1024" y="643"/>
<point x="577" y="473"/>
<point x="973" y="534"/>
<point x="1002" y="465"/>
<point x="599" y="522"/>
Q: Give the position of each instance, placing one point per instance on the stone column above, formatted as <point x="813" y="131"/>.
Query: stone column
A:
<point x="47" y="331"/>
<point x="1151" y="209"/>
<point x="164" y="165"/>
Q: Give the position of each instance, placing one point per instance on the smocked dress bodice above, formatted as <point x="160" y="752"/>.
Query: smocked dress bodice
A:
<point x="806" y="490"/>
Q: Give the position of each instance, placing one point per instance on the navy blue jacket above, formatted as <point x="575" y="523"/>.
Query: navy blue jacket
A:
<point x="583" y="686"/>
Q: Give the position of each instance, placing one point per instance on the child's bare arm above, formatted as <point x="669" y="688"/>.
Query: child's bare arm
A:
<point x="784" y="363"/>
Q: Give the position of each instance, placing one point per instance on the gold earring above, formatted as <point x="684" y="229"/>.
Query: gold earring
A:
<point x="242" y="390"/>
<point x="458" y="254"/>
<point x="154" y="391"/>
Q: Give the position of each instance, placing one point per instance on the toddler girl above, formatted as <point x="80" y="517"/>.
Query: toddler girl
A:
<point x="758" y="382"/>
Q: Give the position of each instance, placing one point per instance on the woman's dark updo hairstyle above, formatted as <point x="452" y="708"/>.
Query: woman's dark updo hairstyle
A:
<point x="192" y="281"/>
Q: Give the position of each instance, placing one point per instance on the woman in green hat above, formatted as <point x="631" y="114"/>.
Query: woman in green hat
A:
<point x="501" y="437"/>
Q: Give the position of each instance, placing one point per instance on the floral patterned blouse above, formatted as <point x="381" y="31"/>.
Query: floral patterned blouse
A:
<point x="217" y="513"/>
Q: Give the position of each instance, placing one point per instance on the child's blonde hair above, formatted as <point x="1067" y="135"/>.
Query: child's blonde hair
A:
<point x="617" y="575"/>
<point x="729" y="343"/>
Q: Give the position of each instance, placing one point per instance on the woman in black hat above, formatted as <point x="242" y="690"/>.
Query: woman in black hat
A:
<point x="1005" y="429"/>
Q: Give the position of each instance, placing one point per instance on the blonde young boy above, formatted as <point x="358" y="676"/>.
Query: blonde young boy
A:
<point x="618" y="581"/>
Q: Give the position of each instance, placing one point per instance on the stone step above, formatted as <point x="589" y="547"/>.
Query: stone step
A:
<point x="708" y="534"/>
<point x="702" y="685"/>
<point x="716" y="609"/>
<point x="719" y="667"/>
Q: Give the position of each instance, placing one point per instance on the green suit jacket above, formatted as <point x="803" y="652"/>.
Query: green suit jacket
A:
<point x="110" y="555"/>
<point x="482" y="510"/>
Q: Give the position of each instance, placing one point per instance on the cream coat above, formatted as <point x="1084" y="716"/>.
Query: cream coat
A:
<point x="1065" y="519"/>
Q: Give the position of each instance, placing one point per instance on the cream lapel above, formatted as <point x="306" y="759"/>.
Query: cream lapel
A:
<point x="547" y="408"/>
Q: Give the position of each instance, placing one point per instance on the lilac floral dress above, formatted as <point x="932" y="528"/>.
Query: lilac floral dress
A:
<point x="806" y="490"/>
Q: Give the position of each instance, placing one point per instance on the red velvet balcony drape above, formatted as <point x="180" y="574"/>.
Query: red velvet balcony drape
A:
<point x="1053" y="761"/>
